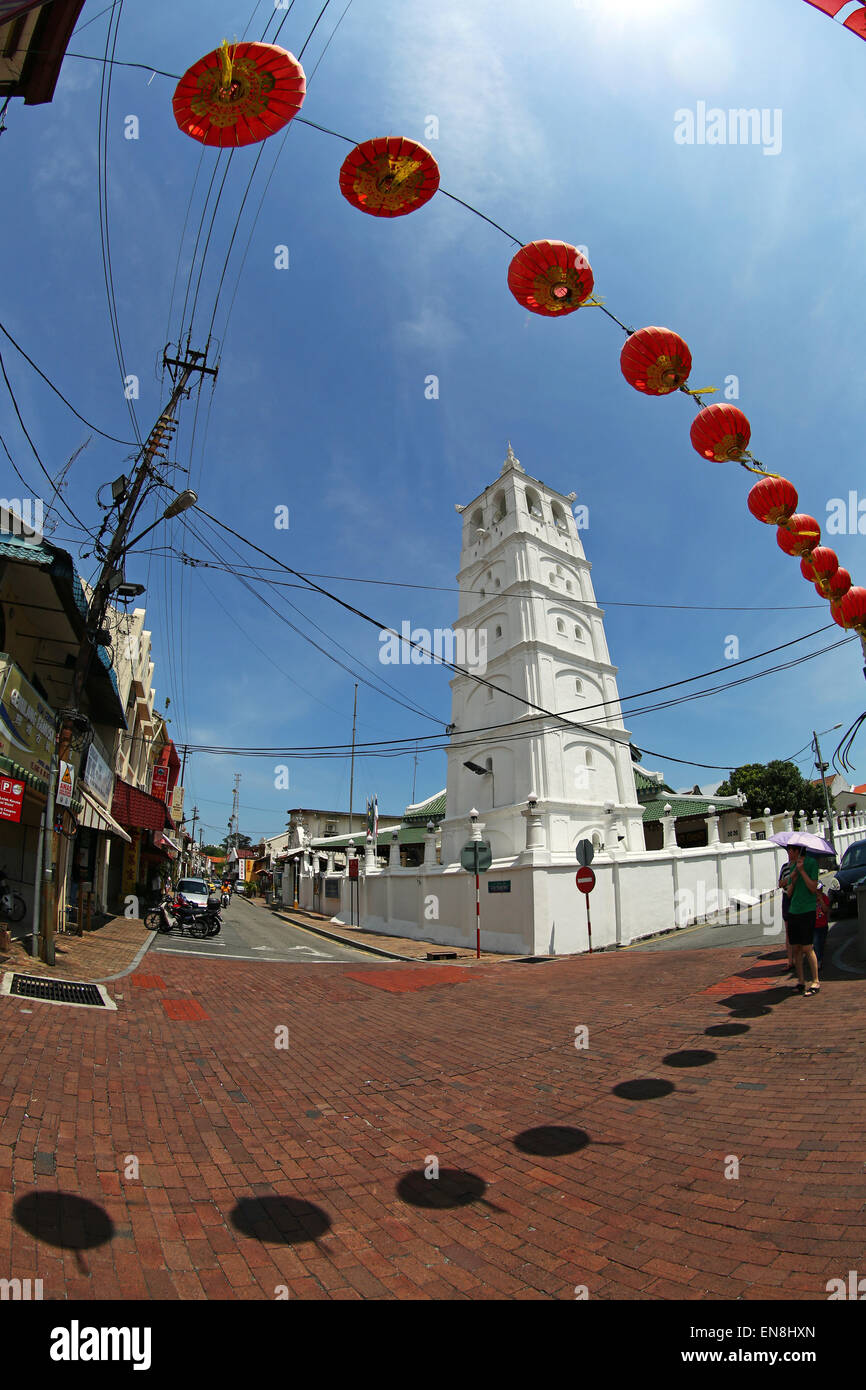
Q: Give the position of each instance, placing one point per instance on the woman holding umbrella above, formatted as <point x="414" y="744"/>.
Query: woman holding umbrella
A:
<point x="802" y="890"/>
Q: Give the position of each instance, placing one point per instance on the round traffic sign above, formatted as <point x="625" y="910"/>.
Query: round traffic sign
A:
<point x="585" y="880"/>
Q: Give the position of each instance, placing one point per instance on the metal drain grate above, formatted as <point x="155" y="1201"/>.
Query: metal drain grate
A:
<point x="57" y="991"/>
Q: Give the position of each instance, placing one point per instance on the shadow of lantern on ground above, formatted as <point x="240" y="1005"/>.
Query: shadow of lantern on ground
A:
<point x="689" y="1058"/>
<point x="643" y="1088"/>
<point x="726" y="1030"/>
<point x="551" y="1141"/>
<point x="64" y="1220"/>
<point x="280" y="1220"/>
<point x="452" y="1188"/>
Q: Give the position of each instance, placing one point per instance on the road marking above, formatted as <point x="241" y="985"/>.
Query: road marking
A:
<point x="178" y="951"/>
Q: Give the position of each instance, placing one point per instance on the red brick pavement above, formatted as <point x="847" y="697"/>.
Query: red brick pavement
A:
<point x="232" y="1167"/>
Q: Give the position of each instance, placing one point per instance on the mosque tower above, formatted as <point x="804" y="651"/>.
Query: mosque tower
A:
<point x="530" y="625"/>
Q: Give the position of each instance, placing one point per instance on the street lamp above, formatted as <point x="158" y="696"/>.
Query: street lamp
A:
<point x="182" y="503"/>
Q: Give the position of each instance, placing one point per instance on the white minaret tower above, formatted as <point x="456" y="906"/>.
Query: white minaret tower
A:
<point x="529" y="623"/>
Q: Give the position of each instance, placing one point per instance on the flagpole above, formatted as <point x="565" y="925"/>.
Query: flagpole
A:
<point x="352" y="773"/>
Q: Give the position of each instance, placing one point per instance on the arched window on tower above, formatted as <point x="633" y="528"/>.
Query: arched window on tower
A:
<point x="551" y="578"/>
<point x="560" y="625"/>
<point x="569" y="586"/>
<point x="578" y="687"/>
<point x="559" y="519"/>
<point x="590" y="758"/>
<point x="477" y="518"/>
<point x="579" y="633"/>
<point x="499" y="507"/>
<point x="533" y="504"/>
<point x="498" y="630"/>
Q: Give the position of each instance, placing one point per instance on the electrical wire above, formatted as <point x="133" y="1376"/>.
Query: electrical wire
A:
<point x="38" y="370"/>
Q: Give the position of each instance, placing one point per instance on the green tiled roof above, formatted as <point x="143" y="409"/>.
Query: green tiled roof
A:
<point x="654" y="810"/>
<point x="406" y="835"/>
<point x="647" y="787"/>
<point x="431" y="809"/>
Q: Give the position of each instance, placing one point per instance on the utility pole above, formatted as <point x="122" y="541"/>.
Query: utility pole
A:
<point x="352" y="773"/>
<point x="414" y="774"/>
<point x="73" y="725"/>
<point x="192" y="835"/>
<point x="234" y="819"/>
<point x="822" y="768"/>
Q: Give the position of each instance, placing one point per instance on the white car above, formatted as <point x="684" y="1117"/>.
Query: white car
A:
<point x="192" y="891"/>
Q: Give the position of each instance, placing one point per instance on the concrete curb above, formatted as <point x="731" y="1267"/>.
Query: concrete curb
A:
<point x="341" y="940"/>
<point x="105" y="979"/>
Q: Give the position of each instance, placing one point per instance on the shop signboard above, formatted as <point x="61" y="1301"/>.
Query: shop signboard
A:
<point x="159" y="781"/>
<point x="65" y="784"/>
<point x="98" y="775"/>
<point x="11" y="798"/>
<point x="27" y="724"/>
<point x="130" y="862"/>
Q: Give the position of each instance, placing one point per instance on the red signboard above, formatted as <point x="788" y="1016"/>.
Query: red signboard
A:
<point x="159" y="782"/>
<point x="11" y="798"/>
<point x="585" y="880"/>
<point x="353" y="868"/>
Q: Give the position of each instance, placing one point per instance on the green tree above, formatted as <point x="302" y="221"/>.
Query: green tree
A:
<point x="235" y="841"/>
<point x="779" y="785"/>
<point x="212" y="851"/>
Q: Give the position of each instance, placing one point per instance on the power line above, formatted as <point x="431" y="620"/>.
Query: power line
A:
<point x="113" y="437"/>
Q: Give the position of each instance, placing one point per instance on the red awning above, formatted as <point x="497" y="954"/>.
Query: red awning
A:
<point x="132" y="807"/>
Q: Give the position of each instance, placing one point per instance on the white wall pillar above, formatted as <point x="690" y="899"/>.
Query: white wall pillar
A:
<point x="430" y="844"/>
<point x="712" y="826"/>
<point x="369" y="855"/>
<point x="669" y="828"/>
<point x="394" y="851"/>
<point x="535" y="837"/>
<point x="745" y="828"/>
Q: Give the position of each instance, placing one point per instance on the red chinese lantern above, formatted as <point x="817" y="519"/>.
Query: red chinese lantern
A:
<point x="550" y="278"/>
<point x="240" y="93"/>
<point x="799" y="535"/>
<point x="389" y="176"/>
<point x="837" y="585"/>
<point x="655" y="361"/>
<point x="773" y="500"/>
<point x="852" y="609"/>
<point x="818" y="566"/>
<point x="720" y="432"/>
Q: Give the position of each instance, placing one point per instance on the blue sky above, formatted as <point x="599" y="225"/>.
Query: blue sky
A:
<point x="560" y="127"/>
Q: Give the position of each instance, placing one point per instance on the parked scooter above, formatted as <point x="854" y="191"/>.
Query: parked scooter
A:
<point x="177" y="917"/>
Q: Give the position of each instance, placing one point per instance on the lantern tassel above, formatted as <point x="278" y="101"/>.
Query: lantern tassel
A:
<point x="701" y="391"/>
<point x="226" y="63"/>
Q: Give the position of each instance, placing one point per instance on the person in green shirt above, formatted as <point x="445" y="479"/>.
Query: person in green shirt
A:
<point x="802" y="890"/>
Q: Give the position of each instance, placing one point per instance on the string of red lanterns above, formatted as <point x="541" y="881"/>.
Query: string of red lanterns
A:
<point x="243" y="93"/>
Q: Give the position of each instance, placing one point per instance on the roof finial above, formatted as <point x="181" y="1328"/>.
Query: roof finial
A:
<point x="511" y="461"/>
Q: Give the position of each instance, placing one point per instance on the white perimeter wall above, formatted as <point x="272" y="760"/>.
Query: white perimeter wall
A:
<point x="636" y="895"/>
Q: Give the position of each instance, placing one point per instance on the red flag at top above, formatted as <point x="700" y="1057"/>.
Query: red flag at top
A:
<point x="856" y="21"/>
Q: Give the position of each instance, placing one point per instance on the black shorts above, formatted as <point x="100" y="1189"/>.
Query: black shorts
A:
<point x="801" y="928"/>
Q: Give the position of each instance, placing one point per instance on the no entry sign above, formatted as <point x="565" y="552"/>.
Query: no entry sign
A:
<point x="585" y="880"/>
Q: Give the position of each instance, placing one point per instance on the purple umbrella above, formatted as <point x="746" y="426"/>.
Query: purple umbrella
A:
<point x="804" y="840"/>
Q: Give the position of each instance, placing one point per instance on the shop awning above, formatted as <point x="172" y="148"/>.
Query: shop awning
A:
<point x="166" y="842"/>
<point x="95" y="817"/>
<point x="139" y="810"/>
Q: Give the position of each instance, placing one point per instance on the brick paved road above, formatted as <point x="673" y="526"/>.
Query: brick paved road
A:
<point x="260" y="1167"/>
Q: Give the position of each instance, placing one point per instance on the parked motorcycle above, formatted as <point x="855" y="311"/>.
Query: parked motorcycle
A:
<point x="12" y="905"/>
